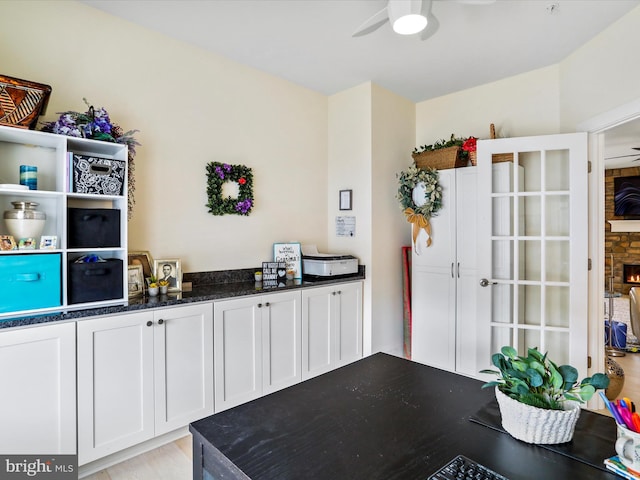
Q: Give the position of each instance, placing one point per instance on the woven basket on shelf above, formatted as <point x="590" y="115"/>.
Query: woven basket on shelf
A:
<point x="22" y="102"/>
<point x="537" y="425"/>
<point x="440" y="159"/>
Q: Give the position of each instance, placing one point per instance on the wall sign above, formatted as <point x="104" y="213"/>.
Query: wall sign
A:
<point x="274" y="274"/>
<point x="345" y="226"/>
<point x="291" y="254"/>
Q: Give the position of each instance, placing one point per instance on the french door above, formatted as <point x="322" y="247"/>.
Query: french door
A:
<point x="533" y="247"/>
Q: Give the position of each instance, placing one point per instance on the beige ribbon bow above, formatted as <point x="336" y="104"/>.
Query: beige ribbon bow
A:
<point x="418" y="221"/>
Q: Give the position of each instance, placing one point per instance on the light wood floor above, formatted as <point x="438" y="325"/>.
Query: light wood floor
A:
<point x="169" y="462"/>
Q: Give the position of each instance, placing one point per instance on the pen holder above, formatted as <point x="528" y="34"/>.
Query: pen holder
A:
<point x="628" y="448"/>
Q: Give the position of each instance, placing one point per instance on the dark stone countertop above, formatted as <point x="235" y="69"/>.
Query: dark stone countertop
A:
<point x="207" y="286"/>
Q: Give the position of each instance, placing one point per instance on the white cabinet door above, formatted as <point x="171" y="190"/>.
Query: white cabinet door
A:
<point x="433" y="284"/>
<point x="38" y="400"/>
<point x="349" y="323"/>
<point x="318" y="352"/>
<point x="331" y="327"/>
<point x="237" y="337"/>
<point x="183" y="351"/>
<point x="115" y="384"/>
<point x="257" y="347"/>
<point x="281" y="340"/>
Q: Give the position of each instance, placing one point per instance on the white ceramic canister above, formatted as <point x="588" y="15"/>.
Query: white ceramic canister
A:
<point x="24" y="221"/>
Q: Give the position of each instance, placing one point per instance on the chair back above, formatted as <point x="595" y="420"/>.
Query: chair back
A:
<point x="634" y="306"/>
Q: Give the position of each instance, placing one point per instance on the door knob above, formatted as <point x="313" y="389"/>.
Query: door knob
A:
<point x="485" y="283"/>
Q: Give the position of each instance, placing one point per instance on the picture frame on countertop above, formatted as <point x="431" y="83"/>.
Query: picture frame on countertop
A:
<point x="144" y="259"/>
<point x="171" y="271"/>
<point x="135" y="280"/>
<point x="291" y="254"/>
<point x="48" y="242"/>
<point x="7" y="242"/>
<point x="346" y="199"/>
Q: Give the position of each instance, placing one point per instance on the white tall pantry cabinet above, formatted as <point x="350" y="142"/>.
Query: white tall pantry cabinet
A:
<point x="443" y="279"/>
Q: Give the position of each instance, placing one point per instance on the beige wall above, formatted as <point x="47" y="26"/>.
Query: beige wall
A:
<point x="601" y="75"/>
<point x="370" y="140"/>
<point x="522" y="105"/>
<point x="191" y="108"/>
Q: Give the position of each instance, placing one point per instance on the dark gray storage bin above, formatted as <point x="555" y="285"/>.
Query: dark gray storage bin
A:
<point x="93" y="227"/>
<point x="95" y="282"/>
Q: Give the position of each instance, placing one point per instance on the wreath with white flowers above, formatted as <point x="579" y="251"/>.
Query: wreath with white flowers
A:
<point x="421" y="203"/>
<point x="220" y="173"/>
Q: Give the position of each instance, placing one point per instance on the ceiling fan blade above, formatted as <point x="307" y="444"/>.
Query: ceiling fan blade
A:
<point x="635" y="148"/>
<point x="372" y="23"/>
<point x="621" y="156"/>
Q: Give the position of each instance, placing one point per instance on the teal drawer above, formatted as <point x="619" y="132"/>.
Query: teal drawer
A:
<point x="29" y="281"/>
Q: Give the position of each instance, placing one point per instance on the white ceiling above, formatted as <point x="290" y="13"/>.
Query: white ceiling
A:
<point x="309" y="42"/>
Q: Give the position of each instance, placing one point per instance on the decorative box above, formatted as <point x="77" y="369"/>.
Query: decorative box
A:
<point x="93" y="227"/>
<point x="102" y="176"/>
<point x="29" y="282"/>
<point x="95" y="281"/>
<point x="22" y="102"/>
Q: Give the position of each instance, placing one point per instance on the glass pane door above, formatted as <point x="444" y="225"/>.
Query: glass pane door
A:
<point x="532" y="247"/>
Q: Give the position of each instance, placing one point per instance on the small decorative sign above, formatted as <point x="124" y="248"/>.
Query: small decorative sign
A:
<point x="345" y="226"/>
<point x="274" y="274"/>
<point x="291" y="253"/>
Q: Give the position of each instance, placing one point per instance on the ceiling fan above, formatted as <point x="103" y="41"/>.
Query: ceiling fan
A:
<point x="408" y="17"/>
<point x="625" y="156"/>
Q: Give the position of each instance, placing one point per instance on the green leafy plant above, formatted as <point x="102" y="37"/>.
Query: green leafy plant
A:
<point x="537" y="381"/>
<point x="452" y="142"/>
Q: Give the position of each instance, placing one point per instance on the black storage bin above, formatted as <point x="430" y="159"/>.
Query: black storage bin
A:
<point x="93" y="227"/>
<point x="95" y="282"/>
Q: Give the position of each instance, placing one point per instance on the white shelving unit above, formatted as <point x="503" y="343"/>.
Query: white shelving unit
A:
<point x="49" y="153"/>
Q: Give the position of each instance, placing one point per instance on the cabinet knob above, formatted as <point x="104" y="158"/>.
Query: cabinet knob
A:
<point x="339" y="292"/>
<point x="267" y="304"/>
<point x="333" y="293"/>
<point x="160" y="322"/>
<point x="149" y="323"/>
<point x="259" y="305"/>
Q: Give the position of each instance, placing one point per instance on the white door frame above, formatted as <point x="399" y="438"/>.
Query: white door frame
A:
<point x="596" y="128"/>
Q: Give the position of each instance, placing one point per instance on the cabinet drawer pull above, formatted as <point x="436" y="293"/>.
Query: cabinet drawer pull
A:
<point x="27" y="277"/>
<point x="259" y="305"/>
<point x="339" y="292"/>
<point x="333" y="293"/>
<point x="267" y="304"/>
<point x="149" y="323"/>
<point x="160" y="322"/>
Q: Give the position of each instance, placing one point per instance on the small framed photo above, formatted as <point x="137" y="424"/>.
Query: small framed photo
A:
<point x="170" y="271"/>
<point x="48" y="242"/>
<point x="345" y="199"/>
<point x="143" y="259"/>
<point x="27" y="244"/>
<point x="136" y="280"/>
<point x="7" y="242"/>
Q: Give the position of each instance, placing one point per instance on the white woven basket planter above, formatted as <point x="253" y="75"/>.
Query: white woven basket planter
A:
<point x="537" y="425"/>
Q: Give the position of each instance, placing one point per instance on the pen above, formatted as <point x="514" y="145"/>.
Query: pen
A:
<point x="612" y="408"/>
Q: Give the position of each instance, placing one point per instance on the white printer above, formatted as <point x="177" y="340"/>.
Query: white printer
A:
<point x="325" y="265"/>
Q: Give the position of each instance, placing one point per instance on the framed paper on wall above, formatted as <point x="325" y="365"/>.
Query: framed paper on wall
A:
<point x="345" y="199"/>
<point x="291" y="254"/>
<point x="170" y="271"/>
<point x="136" y="280"/>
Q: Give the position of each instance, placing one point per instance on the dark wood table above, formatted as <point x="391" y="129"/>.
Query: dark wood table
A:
<point x="384" y="417"/>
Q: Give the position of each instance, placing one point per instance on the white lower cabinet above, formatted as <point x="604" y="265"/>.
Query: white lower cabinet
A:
<point x="38" y="400"/>
<point x="141" y="375"/>
<point x="331" y="327"/>
<point x="257" y="345"/>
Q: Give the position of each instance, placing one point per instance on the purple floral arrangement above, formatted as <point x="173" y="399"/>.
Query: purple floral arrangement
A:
<point x="96" y="124"/>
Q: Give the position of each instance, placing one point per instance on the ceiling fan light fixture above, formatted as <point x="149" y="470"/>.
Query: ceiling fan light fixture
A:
<point x="410" y="24"/>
